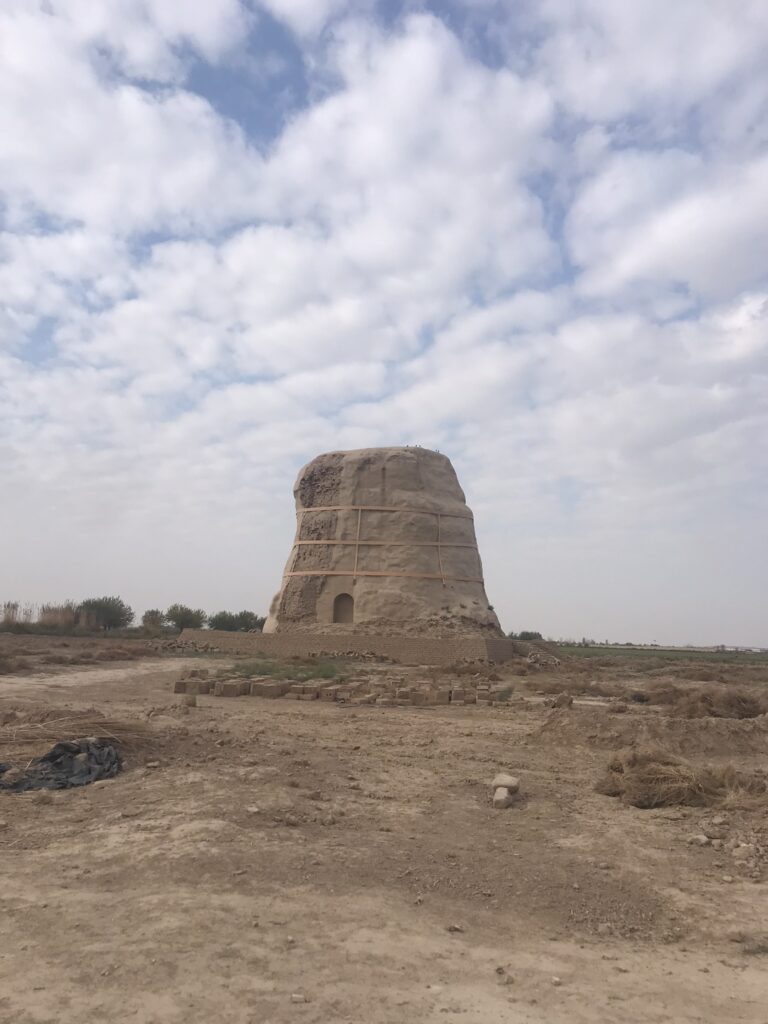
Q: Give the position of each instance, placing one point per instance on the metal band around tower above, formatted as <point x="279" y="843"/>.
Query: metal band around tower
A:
<point x="356" y="543"/>
<point x="383" y="508"/>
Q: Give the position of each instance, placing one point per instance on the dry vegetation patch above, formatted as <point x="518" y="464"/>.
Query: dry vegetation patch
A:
<point x="653" y="777"/>
<point x="28" y="734"/>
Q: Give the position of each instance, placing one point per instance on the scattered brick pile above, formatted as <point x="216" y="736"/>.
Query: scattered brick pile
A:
<point x="382" y="693"/>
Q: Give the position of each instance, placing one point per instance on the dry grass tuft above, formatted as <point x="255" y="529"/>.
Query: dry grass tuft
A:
<point x="721" y="702"/>
<point x="576" y="687"/>
<point x="653" y="777"/>
<point x="707" y="701"/>
<point x="20" y="740"/>
<point x="9" y="665"/>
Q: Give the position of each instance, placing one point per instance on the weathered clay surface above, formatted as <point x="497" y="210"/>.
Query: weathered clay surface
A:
<point x="382" y="512"/>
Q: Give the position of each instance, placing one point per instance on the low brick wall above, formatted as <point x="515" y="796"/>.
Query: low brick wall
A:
<point x="407" y="650"/>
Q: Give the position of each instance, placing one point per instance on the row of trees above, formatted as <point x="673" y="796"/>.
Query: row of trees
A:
<point x="525" y="634"/>
<point x="93" y="613"/>
<point x="183" y="617"/>
<point x="106" y="613"/>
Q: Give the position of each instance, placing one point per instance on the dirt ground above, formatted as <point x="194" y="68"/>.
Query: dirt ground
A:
<point x="275" y="860"/>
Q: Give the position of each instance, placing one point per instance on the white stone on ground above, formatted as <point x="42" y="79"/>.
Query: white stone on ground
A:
<point x="502" y="797"/>
<point x="505" y="781"/>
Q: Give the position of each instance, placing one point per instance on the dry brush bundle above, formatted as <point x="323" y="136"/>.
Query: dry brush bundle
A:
<point x="722" y="702"/>
<point x="21" y="740"/>
<point x="653" y="777"/>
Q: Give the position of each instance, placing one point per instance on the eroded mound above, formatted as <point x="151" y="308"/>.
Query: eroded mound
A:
<point x="597" y="727"/>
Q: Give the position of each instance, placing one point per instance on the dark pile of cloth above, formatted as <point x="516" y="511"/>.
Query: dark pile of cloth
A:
<point x="67" y="764"/>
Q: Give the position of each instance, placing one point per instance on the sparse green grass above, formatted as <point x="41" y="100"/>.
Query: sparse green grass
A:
<point x="300" y="671"/>
<point x="665" y="654"/>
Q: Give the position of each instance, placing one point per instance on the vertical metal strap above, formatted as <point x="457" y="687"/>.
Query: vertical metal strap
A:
<point x="299" y="526"/>
<point x="357" y="541"/>
<point x="440" y="549"/>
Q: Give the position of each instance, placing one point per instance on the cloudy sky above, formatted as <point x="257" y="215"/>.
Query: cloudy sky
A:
<point x="532" y="234"/>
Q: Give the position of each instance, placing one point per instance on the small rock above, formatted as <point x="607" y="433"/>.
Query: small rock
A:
<point x="557" y="982"/>
<point x="744" y="852"/>
<point x="604" y="866"/>
<point x="714" y="829"/>
<point x="297" y="997"/>
<point x="502" y="798"/>
<point x="504" y="781"/>
<point x="727" y="878"/>
<point x="152" y="764"/>
<point x="604" y="929"/>
<point x="291" y="820"/>
<point x="253" y="810"/>
<point x="699" y="840"/>
<point x="454" y="928"/>
<point x="717" y="844"/>
<point x="3" y="824"/>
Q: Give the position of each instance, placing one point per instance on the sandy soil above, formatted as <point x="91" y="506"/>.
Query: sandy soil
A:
<point x="272" y="861"/>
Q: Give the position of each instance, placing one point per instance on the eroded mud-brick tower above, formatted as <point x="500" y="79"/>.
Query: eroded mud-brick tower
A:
<point x="385" y="543"/>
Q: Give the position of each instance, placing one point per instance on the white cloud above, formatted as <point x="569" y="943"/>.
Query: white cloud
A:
<point x="668" y="219"/>
<point x="556" y="275"/>
<point x="306" y="17"/>
<point x="609" y="60"/>
<point x="82" y="148"/>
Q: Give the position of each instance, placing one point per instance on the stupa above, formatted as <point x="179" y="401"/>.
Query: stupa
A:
<point x="385" y="544"/>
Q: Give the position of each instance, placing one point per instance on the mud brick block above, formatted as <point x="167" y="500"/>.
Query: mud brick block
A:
<point x="418" y="698"/>
<point x="457" y="696"/>
<point x="229" y="688"/>
<point x="296" y="688"/>
<point x="457" y="703"/>
<point x="368" y="698"/>
<point x="180" y="686"/>
<point x="266" y="688"/>
<point x="195" y="686"/>
<point x="343" y="694"/>
<point x="442" y="696"/>
<point x="312" y="695"/>
<point x="385" y="702"/>
<point x="272" y="687"/>
<point x="483" y="703"/>
<point x="403" y="694"/>
<point x="469" y="697"/>
<point x="329" y="692"/>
